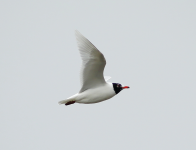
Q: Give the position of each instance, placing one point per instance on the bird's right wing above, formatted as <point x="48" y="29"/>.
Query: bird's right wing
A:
<point x="93" y="63"/>
<point x="107" y="78"/>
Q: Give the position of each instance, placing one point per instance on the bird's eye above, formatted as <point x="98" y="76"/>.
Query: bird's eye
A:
<point x="119" y="85"/>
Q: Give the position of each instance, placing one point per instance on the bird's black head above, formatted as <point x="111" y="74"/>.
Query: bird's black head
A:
<point x="118" y="87"/>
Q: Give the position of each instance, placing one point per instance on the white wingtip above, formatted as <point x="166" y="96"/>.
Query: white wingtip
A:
<point x="77" y="33"/>
<point x="107" y="78"/>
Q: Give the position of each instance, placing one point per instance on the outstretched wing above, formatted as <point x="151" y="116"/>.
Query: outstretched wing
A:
<point x="93" y="63"/>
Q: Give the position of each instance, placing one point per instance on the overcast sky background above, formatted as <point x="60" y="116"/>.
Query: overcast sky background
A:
<point x="148" y="45"/>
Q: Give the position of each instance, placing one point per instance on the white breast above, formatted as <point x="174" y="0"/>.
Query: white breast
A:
<point x="96" y="95"/>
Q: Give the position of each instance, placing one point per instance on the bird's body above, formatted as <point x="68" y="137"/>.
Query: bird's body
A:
<point x="94" y="87"/>
<point x="92" y="95"/>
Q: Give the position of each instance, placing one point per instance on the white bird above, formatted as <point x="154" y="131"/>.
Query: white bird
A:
<point x="94" y="87"/>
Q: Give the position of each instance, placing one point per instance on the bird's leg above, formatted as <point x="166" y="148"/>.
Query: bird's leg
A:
<point x="70" y="102"/>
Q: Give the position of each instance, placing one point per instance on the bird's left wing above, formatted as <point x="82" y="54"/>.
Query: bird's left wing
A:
<point x="93" y="63"/>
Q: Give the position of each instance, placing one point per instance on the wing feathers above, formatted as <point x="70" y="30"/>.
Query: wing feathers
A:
<point x="93" y="63"/>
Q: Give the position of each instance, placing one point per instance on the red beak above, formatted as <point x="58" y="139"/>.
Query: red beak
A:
<point x="125" y="87"/>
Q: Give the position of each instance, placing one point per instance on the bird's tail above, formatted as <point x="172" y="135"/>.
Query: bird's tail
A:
<point x="69" y="100"/>
<point x="64" y="101"/>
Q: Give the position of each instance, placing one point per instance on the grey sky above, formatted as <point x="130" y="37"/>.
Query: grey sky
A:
<point x="148" y="45"/>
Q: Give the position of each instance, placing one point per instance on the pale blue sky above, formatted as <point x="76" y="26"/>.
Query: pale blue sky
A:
<point x="148" y="45"/>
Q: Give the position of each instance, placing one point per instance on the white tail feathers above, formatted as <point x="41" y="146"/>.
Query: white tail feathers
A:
<point x="63" y="101"/>
<point x="72" y="98"/>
